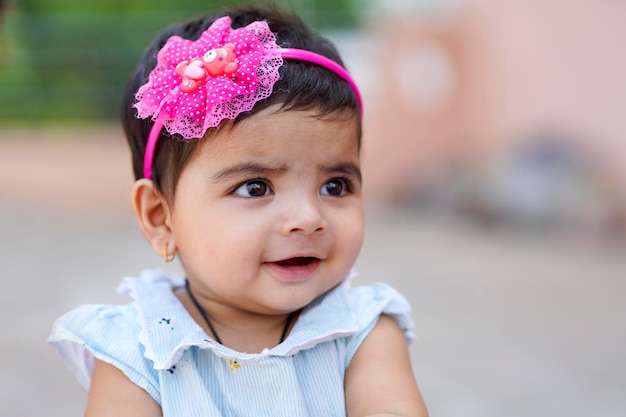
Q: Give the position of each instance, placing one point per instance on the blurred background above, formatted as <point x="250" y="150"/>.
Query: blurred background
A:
<point x="495" y="177"/>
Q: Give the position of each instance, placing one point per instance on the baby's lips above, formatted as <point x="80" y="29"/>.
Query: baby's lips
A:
<point x="297" y="261"/>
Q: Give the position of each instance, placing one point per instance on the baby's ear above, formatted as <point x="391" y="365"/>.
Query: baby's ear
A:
<point x="153" y="215"/>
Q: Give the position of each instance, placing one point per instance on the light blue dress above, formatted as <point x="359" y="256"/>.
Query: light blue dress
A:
<point x="159" y="347"/>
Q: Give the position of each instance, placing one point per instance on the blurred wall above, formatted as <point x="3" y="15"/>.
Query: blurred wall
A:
<point x="480" y="76"/>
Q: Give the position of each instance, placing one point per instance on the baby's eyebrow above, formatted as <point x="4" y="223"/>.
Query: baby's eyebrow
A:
<point x="246" y="169"/>
<point x="346" y="168"/>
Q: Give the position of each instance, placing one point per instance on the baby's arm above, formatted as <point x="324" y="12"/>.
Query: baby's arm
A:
<point x="379" y="380"/>
<point x="112" y="394"/>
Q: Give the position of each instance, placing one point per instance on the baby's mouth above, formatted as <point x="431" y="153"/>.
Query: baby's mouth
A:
<point x="297" y="261"/>
<point x="296" y="269"/>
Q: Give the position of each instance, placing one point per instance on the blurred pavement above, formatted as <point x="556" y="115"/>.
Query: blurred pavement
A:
<point x="508" y="325"/>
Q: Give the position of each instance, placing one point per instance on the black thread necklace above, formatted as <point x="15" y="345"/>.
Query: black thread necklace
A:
<point x="290" y="317"/>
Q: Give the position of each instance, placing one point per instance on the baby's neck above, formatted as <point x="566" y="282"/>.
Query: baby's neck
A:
<point x="238" y="330"/>
<point x="247" y="339"/>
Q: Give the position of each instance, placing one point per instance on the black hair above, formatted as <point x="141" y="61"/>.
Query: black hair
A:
<point x="302" y="86"/>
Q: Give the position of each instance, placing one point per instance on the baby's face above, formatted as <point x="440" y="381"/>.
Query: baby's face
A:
<point x="268" y="215"/>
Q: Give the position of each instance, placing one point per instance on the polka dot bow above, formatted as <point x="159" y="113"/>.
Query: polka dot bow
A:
<point x="197" y="84"/>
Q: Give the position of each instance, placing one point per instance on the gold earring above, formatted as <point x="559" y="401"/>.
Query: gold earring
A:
<point x="167" y="258"/>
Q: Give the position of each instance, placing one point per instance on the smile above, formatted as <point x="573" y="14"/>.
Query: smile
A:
<point x="297" y="261"/>
<point x="296" y="269"/>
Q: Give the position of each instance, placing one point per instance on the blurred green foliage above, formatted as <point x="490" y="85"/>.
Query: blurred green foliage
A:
<point x="68" y="60"/>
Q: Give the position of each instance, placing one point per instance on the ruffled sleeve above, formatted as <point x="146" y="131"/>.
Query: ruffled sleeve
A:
<point x="368" y="303"/>
<point x="108" y="333"/>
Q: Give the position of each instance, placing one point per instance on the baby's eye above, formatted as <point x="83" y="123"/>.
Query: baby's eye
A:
<point x="253" y="188"/>
<point x="335" y="187"/>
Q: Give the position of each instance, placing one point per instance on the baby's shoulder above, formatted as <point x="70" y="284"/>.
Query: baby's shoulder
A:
<point x="367" y="304"/>
<point x="101" y="318"/>
<point x="110" y="333"/>
<point x="376" y="299"/>
<point x="151" y="290"/>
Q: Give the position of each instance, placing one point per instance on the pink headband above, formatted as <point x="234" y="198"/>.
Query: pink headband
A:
<point x="197" y="84"/>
